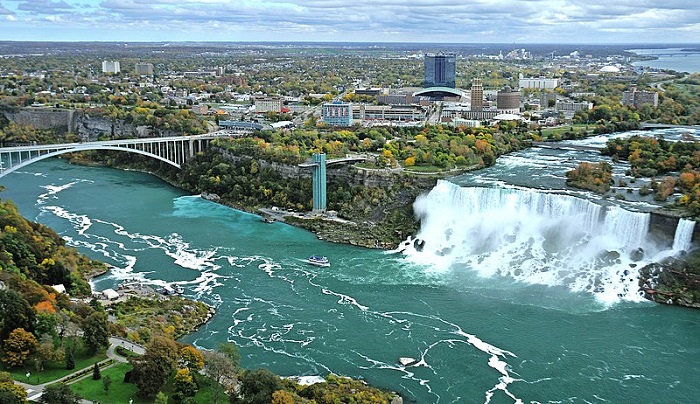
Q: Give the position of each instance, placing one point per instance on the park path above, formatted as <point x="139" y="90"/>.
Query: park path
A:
<point x="34" y="390"/>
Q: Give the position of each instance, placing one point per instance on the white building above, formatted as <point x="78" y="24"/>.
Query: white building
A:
<point x="538" y="83"/>
<point x="109" y="66"/>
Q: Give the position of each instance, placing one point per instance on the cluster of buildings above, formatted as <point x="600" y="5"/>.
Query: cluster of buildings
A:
<point x="413" y="106"/>
<point x="474" y="106"/>
<point x="438" y="101"/>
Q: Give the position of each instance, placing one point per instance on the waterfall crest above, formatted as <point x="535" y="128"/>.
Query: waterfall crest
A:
<point x="536" y="237"/>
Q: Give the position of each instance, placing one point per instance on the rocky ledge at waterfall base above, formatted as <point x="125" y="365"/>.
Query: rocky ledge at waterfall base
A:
<point x="673" y="281"/>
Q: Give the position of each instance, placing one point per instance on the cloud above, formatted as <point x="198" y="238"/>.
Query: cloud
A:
<point x="378" y="20"/>
<point x="5" y="11"/>
<point x="46" y="7"/>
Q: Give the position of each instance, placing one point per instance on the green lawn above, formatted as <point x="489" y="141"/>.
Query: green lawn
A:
<point x="205" y="393"/>
<point x="119" y="392"/>
<point x="55" y="370"/>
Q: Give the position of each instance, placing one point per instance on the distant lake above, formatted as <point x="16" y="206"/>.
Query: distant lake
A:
<point x="685" y="59"/>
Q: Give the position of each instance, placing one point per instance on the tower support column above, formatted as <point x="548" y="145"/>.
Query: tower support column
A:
<point x="319" y="182"/>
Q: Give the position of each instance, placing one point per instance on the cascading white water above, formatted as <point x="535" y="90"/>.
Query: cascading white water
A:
<point x="684" y="235"/>
<point x="534" y="237"/>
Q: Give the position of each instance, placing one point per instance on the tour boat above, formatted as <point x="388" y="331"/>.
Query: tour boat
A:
<point x="318" y="261"/>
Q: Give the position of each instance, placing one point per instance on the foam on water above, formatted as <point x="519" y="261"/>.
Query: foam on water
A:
<point x="536" y="237"/>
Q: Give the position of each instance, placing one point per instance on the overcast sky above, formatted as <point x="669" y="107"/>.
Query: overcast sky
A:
<point x="442" y="21"/>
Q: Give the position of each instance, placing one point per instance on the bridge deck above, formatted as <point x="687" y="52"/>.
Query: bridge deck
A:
<point x="174" y="150"/>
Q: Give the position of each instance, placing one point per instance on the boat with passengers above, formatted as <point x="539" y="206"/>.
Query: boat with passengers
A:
<point x="319" y="261"/>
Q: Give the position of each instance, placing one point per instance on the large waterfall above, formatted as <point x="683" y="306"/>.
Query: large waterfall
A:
<point x="537" y="237"/>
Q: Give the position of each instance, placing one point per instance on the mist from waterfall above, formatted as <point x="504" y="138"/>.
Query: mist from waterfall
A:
<point x="537" y="237"/>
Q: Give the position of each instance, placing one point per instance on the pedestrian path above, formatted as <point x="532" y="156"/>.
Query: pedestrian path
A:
<point x="34" y="391"/>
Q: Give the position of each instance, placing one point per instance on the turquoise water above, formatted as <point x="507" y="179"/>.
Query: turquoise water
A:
<point x="484" y="323"/>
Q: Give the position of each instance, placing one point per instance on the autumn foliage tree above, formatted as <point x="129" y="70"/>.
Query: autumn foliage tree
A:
<point x="191" y="358"/>
<point x="594" y="177"/>
<point x="17" y="348"/>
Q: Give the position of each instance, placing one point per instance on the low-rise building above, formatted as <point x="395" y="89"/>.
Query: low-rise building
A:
<point x="268" y="104"/>
<point x="337" y="113"/>
<point x="387" y="113"/>
<point x="537" y="83"/>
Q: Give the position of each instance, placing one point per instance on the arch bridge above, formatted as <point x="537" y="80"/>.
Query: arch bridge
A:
<point x="174" y="150"/>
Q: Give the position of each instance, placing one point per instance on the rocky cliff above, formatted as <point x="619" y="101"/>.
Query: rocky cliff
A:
<point x="88" y="127"/>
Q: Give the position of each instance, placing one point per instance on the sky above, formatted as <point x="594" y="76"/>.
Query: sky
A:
<point x="433" y="21"/>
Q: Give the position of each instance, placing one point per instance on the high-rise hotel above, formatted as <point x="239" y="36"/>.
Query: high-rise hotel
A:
<point x="440" y="70"/>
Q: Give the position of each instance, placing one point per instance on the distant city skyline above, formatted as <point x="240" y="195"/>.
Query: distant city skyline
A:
<point x="478" y="21"/>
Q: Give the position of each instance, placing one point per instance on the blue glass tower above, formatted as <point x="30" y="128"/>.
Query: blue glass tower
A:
<point x="440" y="70"/>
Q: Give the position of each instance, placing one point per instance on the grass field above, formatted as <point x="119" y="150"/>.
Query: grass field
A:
<point x="119" y="392"/>
<point x="54" y="370"/>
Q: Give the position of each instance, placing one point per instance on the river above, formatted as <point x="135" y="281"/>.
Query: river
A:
<point x="519" y="294"/>
<point x="679" y="59"/>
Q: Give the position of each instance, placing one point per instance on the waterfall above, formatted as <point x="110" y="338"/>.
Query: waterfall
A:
<point x="534" y="237"/>
<point x="684" y="235"/>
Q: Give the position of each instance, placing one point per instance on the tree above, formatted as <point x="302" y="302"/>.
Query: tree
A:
<point x="95" y="331"/>
<point x="17" y="347"/>
<point x="70" y="360"/>
<point x="96" y="375"/>
<point x="11" y="393"/>
<point x="161" y="398"/>
<point x="15" y="312"/>
<point x="46" y="324"/>
<point x="191" y="358"/>
<point x="45" y="351"/>
<point x="220" y="369"/>
<point x="231" y="351"/>
<point x="257" y="386"/>
<point x="59" y="394"/>
<point x="106" y="383"/>
<point x="185" y="385"/>
<point x="282" y="397"/>
<point x="222" y="366"/>
<point x="151" y="370"/>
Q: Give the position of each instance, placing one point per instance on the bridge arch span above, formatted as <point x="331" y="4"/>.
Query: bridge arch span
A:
<point x="85" y="148"/>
